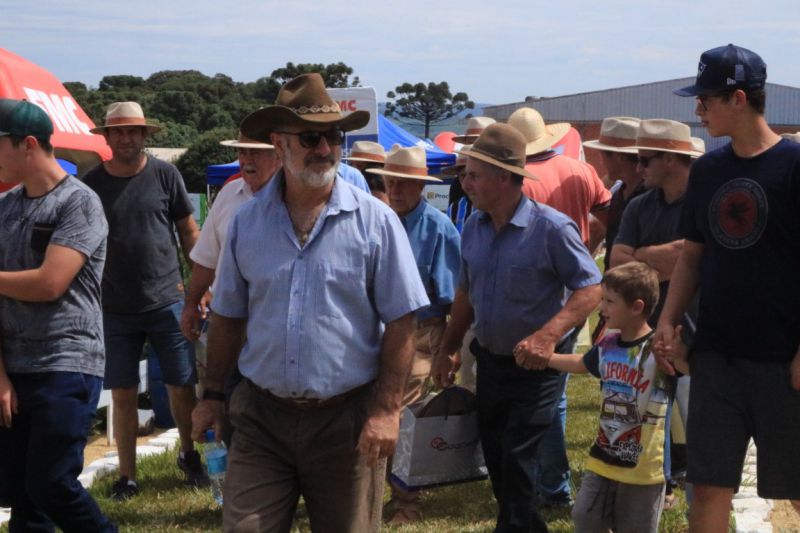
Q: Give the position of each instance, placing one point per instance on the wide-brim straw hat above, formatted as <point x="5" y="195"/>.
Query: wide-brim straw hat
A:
<point x="461" y="162"/>
<point x="664" y="135"/>
<point x="792" y="136"/>
<point x="407" y="163"/>
<point x="246" y="142"/>
<point x="699" y="147"/>
<point x="539" y="136"/>
<point x="125" y="114"/>
<point x="366" y="151"/>
<point x="475" y="125"/>
<point x="301" y="102"/>
<point x="503" y="146"/>
<point x="617" y="134"/>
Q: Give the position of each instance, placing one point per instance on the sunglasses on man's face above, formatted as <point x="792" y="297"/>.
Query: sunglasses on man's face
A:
<point x="311" y="139"/>
<point x="645" y="161"/>
<point x="703" y="99"/>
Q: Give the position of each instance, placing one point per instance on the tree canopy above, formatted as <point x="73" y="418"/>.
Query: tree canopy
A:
<point x="426" y="104"/>
<point x="188" y="103"/>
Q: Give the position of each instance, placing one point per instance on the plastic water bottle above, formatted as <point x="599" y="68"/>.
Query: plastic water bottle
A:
<point x="216" y="463"/>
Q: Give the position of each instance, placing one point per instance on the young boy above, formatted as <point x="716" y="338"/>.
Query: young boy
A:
<point x="623" y="485"/>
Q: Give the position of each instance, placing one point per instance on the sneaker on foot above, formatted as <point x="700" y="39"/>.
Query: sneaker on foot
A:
<point x="193" y="469"/>
<point x="124" y="489"/>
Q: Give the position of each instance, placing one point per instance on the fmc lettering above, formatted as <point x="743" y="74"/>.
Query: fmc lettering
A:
<point x="348" y="105"/>
<point x="61" y="110"/>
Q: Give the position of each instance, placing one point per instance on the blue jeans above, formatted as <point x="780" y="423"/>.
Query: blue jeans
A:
<point x="41" y="455"/>
<point x="552" y="463"/>
<point x="553" y="474"/>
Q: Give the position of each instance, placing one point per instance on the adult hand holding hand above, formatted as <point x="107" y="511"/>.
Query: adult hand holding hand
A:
<point x="534" y="352"/>
<point x="665" y="346"/>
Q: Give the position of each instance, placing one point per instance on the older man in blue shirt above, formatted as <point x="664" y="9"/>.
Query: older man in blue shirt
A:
<point x="526" y="281"/>
<point x="436" y="245"/>
<point x="320" y="280"/>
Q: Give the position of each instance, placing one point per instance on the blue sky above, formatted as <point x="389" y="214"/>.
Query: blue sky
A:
<point x="497" y="51"/>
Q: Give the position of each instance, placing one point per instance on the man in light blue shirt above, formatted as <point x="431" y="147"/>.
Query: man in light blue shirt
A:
<point x="436" y="246"/>
<point x="320" y="279"/>
<point x="526" y="281"/>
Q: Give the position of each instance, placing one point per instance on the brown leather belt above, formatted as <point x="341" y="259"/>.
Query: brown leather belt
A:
<point x="312" y="403"/>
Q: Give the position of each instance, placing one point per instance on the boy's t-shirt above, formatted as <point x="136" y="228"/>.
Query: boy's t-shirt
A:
<point x="629" y="447"/>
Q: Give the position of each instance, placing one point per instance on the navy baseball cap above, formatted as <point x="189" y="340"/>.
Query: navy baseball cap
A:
<point x="22" y="118"/>
<point x="727" y="68"/>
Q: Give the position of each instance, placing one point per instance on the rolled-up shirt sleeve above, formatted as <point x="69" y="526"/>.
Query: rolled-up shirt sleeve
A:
<point x="573" y="263"/>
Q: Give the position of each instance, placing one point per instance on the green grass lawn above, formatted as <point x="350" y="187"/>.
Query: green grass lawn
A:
<point x="164" y="504"/>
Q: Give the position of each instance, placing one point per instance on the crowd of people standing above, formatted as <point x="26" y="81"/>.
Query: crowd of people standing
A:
<point x="333" y="299"/>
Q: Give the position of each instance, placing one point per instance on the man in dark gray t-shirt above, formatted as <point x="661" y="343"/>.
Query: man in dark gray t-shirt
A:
<point x="52" y="250"/>
<point x="145" y="202"/>
<point x="649" y="228"/>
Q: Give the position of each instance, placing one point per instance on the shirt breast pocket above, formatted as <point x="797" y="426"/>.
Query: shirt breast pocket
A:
<point x="340" y="287"/>
<point x="40" y="236"/>
<point x="523" y="283"/>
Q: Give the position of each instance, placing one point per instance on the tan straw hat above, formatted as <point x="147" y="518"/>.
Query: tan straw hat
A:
<point x="409" y="163"/>
<point x="792" y="136"/>
<point x="246" y="142"/>
<point x="698" y="146"/>
<point x="367" y="151"/>
<point x="302" y="101"/>
<point x="540" y="137"/>
<point x="664" y="135"/>
<point x="617" y="134"/>
<point x="475" y="125"/>
<point x="503" y="146"/>
<point x="125" y="114"/>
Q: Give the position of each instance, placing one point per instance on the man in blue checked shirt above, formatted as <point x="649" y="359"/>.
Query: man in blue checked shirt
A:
<point x="526" y="282"/>
<point x="320" y="280"/>
<point x="437" y="250"/>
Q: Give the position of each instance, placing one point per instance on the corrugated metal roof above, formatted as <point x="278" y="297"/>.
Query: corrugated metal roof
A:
<point x="649" y="100"/>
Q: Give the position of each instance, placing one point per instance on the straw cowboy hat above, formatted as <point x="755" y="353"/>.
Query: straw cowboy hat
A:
<point x="540" y="137"/>
<point x="367" y="151"/>
<point x="409" y="163"/>
<point x="475" y="125"/>
<point x="246" y="142"/>
<point x="699" y="147"/>
<point x="617" y="134"/>
<point x="301" y="102"/>
<point x="503" y="146"/>
<point x="125" y="114"/>
<point x="461" y="162"/>
<point x="792" y="136"/>
<point x="663" y="135"/>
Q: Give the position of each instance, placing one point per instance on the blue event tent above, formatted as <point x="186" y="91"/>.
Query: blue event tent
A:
<point x="389" y="134"/>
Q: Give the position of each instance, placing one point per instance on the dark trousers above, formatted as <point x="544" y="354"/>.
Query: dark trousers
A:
<point x="281" y="452"/>
<point x="41" y="455"/>
<point x="515" y="408"/>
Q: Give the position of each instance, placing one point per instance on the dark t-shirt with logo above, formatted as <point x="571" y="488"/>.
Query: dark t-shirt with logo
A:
<point x="746" y="212"/>
<point x="142" y="268"/>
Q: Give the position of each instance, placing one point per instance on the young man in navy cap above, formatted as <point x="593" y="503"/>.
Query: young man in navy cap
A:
<point x="740" y="225"/>
<point x="52" y="251"/>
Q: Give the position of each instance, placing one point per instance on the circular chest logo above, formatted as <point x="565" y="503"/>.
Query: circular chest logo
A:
<point x="738" y="213"/>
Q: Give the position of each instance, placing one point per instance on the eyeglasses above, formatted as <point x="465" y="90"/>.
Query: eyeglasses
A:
<point x="703" y="99"/>
<point x="645" y="161"/>
<point x="311" y="139"/>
